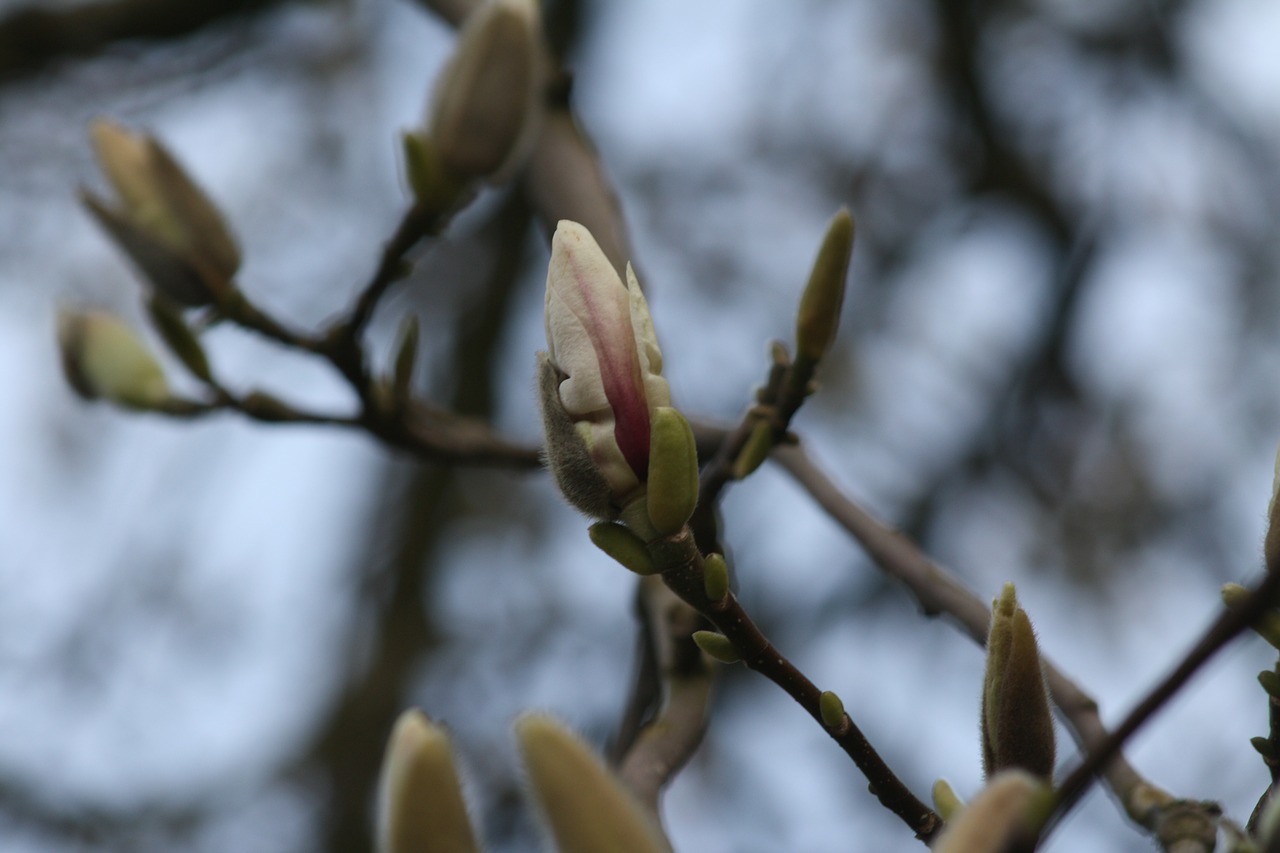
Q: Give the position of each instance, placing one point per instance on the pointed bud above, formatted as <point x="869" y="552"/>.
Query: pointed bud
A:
<point x="715" y="577"/>
<point x="177" y="334"/>
<point x="757" y="448"/>
<point x="103" y="358"/>
<point x="586" y="806"/>
<point x="420" y="803"/>
<point x="1264" y="747"/>
<point x="718" y="646"/>
<point x="1009" y="809"/>
<point x="406" y="360"/>
<point x="175" y="236"/>
<point x="623" y="546"/>
<point x="486" y="106"/>
<point x="434" y="187"/>
<point x="832" y="710"/>
<point x="1017" y="724"/>
<point x="673" y="471"/>
<point x="819" y="314"/>
<point x="945" y="801"/>
<point x="606" y="370"/>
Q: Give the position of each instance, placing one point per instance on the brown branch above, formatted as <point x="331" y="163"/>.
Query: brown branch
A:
<point x="939" y="592"/>
<point x="33" y="38"/>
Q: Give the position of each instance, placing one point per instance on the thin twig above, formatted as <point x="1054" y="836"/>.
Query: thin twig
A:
<point x="939" y="591"/>
<point x="681" y="567"/>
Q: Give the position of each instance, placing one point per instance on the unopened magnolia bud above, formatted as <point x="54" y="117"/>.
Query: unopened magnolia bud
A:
<point x="623" y="546"/>
<point x="1017" y="724"/>
<point x="175" y="236"/>
<point x="103" y="358"/>
<point x="421" y="808"/>
<point x="715" y="577"/>
<point x="718" y="646"/>
<point x="832" y="710"/>
<point x="819" y="314"/>
<point x="673" y="471"/>
<point x="586" y="807"/>
<point x="1007" y="810"/>
<point x="486" y="100"/>
<point x="945" y="801"/>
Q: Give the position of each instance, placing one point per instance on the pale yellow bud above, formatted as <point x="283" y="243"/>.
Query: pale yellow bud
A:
<point x="103" y="358"/>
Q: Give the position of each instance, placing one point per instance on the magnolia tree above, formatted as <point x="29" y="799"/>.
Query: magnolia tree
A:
<point x="647" y="473"/>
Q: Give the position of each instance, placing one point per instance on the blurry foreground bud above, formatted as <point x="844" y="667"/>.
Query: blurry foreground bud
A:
<point x="1017" y="725"/>
<point x="420" y="804"/>
<point x="1009" y="809"/>
<point x="485" y="104"/>
<point x="819" y="314"/>
<point x="103" y="358"/>
<point x="601" y="382"/>
<point x="175" y="236"/>
<point x="586" y="806"/>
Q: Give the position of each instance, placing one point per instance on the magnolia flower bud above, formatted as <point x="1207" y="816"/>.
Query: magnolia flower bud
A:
<point x="104" y="359"/>
<point x="166" y="224"/>
<point x="1017" y="725"/>
<point x="602" y="380"/>
<point x="486" y="99"/>
<point x="586" y="806"/>
<point x="420" y="803"/>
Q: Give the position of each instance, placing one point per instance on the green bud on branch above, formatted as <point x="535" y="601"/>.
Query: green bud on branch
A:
<point x="673" y="471"/>
<point x="103" y="358"/>
<point x="832" y="710"/>
<point x="755" y="451"/>
<point x="945" y="801"/>
<point x="819" y="314"/>
<point x="718" y="646"/>
<point x="1267" y="625"/>
<point x="715" y="577"/>
<point x="622" y="545"/>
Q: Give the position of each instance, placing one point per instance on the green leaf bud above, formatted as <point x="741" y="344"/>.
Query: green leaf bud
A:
<point x="756" y="449"/>
<point x="718" y="646"/>
<point x="673" y="471"/>
<point x="420" y="804"/>
<point x="587" y="807"/>
<point x="182" y="341"/>
<point x="715" y="577"/>
<point x="622" y="545"/>
<point x="1264" y="746"/>
<point x="945" y="801"/>
<point x="406" y="359"/>
<point x="832" y="710"/>
<point x="819" y="314"/>
<point x="1270" y="682"/>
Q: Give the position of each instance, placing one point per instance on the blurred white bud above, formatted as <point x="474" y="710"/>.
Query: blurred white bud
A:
<point x="104" y="359"/>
